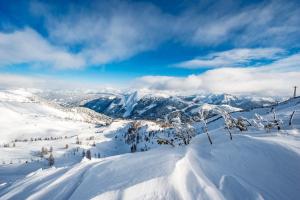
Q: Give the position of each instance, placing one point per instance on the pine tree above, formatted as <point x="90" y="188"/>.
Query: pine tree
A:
<point x="51" y="160"/>
<point x="133" y="148"/>
<point x="88" y="154"/>
<point x="77" y="140"/>
<point x="44" y="151"/>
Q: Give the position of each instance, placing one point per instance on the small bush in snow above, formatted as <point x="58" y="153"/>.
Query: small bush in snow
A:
<point x="266" y="124"/>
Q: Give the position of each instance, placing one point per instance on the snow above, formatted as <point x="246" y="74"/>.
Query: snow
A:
<point x="130" y="102"/>
<point x="200" y="171"/>
<point x="24" y="116"/>
<point x="254" y="165"/>
<point x="19" y="95"/>
<point x="147" y="108"/>
<point x="33" y="120"/>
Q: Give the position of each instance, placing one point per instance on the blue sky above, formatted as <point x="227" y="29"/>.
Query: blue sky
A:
<point x="161" y="45"/>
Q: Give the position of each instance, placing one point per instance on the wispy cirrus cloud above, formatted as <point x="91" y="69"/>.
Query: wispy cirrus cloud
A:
<point x="264" y="23"/>
<point x="107" y="32"/>
<point x="118" y="30"/>
<point x="233" y="58"/>
<point x="102" y="32"/>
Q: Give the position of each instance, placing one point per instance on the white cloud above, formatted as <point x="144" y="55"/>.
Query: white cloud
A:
<point x="27" y="46"/>
<point x="107" y="32"/>
<point x="18" y="81"/>
<point x="191" y="82"/>
<point x="13" y="81"/>
<point x="287" y="64"/>
<point x="118" y="30"/>
<point x="275" y="79"/>
<point x="264" y="24"/>
<point x="267" y="80"/>
<point x="232" y="58"/>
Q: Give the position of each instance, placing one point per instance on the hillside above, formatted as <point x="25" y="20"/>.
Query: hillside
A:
<point x="256" y="163"/>
<point x="24" y="115"/>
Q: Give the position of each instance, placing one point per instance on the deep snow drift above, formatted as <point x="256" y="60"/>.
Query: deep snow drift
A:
<point x="256" y="164"/>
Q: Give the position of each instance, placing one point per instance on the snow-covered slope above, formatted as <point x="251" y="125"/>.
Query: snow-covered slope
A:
<point x="254" y="165"/>
<point x="23" y="115"/>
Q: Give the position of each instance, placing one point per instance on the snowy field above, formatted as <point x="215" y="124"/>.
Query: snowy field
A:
<point x="255" y="164"/>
